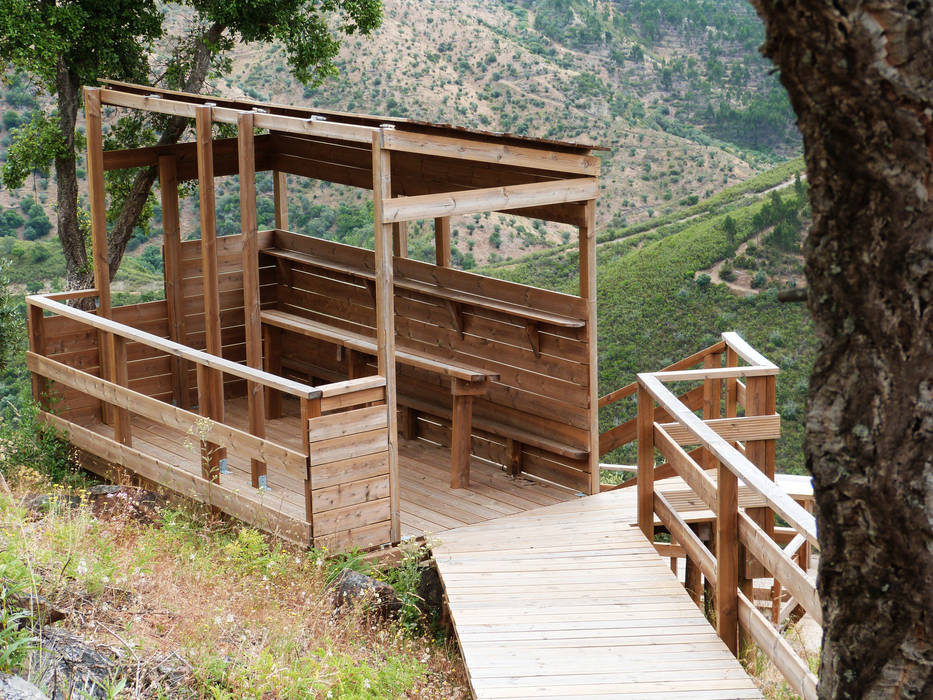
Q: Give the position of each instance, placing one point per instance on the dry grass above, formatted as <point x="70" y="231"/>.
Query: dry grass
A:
<point x="241" y="616"/>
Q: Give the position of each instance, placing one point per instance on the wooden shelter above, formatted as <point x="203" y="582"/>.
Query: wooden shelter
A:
<point x="305" y="358"/>
<point x="343" y="397"/>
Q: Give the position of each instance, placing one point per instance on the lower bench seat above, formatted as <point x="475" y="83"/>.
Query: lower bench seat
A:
<point x="465" y="381"/>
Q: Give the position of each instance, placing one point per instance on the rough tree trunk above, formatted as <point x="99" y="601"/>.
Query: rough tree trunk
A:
<point x="860" y="77"/>
<point x="79" y="272"/>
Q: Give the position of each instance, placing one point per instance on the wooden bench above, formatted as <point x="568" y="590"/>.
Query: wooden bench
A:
<point x="465" y="381"/>
<point x="453" y="298"/>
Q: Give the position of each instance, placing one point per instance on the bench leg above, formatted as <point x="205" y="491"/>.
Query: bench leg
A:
<point x="461" y="431"/>
<point x="513" y="449"/>
<point x="408" y="422"/>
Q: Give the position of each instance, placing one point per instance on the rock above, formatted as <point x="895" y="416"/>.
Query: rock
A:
<point x="15" y="688"/>
<point x="43" y="502"/>
<point x="430" y="591"/>
<point x="353" y="588"/>
<point x="127" y="502"/>
<point x="70" y="667"/>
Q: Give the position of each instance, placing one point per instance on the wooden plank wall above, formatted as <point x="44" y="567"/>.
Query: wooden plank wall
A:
<point x="546" y="395"/>
<point x="76" y="345"/>
<point x="230" y="283"/>
<point x="350" y="478"/>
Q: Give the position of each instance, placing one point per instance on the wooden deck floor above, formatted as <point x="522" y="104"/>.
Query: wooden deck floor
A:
<point x="571" y="601"/>
<point x="429" y="506"/>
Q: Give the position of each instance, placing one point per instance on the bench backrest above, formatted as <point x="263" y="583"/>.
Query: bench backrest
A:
<point x="546" y="394"/>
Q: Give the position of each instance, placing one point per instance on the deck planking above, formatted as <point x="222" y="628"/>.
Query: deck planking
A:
<point x="571" y="601"/>
<point x="429" y="506"/>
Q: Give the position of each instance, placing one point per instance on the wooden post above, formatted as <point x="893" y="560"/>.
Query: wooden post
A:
<point x="122" y="430"/>
<point x="210" y="452"/>
<point x="385" y="317"/>
<point x="645" y="486"/>
<point x="280" y="199"/>
<point x="693" y="578"/>
<point x="272" y="363"/>
<point x="727" y="559"/>
<point x="732" y="385"/>
<point x="712" y="401"/>
<point x="35" y="323"/>
<point x="587" y="245"/>
<point x="310" y="408"/>
<point x="214" y="385"/>
<point x="246" y="148"/>
<point x="442" y="241"/>
<point x="171" y="258"/>
<point x="96" y="197"/>
<point x="761" y="400"/>
<point x="99" y="244"/>
<point x="400" y="239"/>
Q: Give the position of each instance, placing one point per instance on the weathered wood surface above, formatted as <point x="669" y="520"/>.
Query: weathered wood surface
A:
<point x="572" y="601"/>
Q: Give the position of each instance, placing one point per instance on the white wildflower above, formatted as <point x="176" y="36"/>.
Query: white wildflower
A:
<point x="82" y="568"/>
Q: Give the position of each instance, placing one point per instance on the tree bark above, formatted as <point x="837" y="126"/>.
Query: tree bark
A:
<point x="860" y="77"/>
<point x="142" y="183"/>
<point x="79" y="274"/>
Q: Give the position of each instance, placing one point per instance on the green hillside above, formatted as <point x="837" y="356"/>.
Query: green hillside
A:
<point x="656" y="305"/>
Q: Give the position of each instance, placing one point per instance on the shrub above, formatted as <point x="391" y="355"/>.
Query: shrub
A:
<point x="703" y="281"/>
<point x="759" y="280"/>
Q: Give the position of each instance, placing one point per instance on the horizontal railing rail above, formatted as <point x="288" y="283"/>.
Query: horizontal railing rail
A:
<point x="731" y="451"/>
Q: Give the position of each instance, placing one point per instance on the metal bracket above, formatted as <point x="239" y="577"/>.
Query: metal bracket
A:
<point x="263" y="484"/>
<point x="224" y="469"/>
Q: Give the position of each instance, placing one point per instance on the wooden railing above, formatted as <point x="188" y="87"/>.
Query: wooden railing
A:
<point x="207" y="426"/>
<point x="740" y="449"/>
<point x="738" y="535"/>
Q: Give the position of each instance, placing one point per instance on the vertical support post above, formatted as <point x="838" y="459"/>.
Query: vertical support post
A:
<point x="99" y="244"/>
<point x="587" y="244"/>
<point x="246" y="150"/>
<point x="210" y="452"/>
<point x="385" y="317"/>
<point x="96" y="197"/>
<point x="727" y="559"/>
<point x="213" y="378"/>
<point x="442" y="241"/>
<point x="400" y="239"/>
<point x="280" y="199"/>
<point x="35" y="323"/>
<point x="645" y="485"/>
<point x="732" y="385"/>
<point x="761" y="400"/>
<point x="693" y="578"/>
<point x="712" y="401"/>
<point x="122" y="430"/>
<point x="272" y="363"/>
<point x="310" y="408"/>
<point x="171" y="258"/>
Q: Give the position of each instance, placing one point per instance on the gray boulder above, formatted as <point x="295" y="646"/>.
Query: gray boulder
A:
<point x="15" y="688"/>
<point x="353" y="588"/>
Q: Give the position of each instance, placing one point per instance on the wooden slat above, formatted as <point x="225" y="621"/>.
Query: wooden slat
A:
<point x="685" y="467"/>
<point x="793" y="513"/>
<point x="171" y="348"/>
<point x="731" y="429"/>
<point x="347" y="423"/>
<point x="249" y="509"/>
<point x="490" y="153"/>
<point x="781" y="566"/>
<point x="429" y="206"/>
<point x="776" y="648"/>
<point x="289" y="461"/>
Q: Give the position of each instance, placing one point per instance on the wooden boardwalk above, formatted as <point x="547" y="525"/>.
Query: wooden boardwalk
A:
<point x="571" y="601"/>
